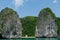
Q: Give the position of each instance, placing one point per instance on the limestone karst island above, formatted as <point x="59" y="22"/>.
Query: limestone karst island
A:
<point x="45" y="25"/>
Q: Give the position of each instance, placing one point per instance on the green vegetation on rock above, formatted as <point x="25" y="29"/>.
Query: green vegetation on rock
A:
<point x="28" y="23"/>
<point x="47" y="11"/>
<point x="4" y="15"/>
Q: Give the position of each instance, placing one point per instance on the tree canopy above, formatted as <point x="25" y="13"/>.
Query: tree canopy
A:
<point x="29" y="24"/>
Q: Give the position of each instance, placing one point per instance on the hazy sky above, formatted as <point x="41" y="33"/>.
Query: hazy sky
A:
<point x="31" y="7"/>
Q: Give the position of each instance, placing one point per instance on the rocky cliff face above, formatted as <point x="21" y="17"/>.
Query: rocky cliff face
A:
<point x="46" y="26"/>
<point x="10" y="25"/>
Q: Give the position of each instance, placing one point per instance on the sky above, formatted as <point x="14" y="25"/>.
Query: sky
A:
<point x="31" y="7"/>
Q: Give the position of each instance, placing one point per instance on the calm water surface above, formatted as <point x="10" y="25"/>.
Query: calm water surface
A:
<point x="34" y="39"/>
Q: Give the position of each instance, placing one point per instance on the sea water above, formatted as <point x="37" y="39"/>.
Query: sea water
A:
<point x="33" y="39"/>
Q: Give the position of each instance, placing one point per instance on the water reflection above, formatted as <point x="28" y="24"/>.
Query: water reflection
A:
<point x="46" y="38"/>
<point x="33" y="39"/>
<point x="10" y="39"/>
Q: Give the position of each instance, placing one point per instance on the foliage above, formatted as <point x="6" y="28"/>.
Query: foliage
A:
<point x="29" y="24"/>
<point x="58" y="24"/>
<point x="47" y="11"/>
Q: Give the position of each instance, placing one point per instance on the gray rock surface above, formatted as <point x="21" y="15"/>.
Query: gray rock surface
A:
<point x="46" y="26"/>
<point x="11" y="24"/>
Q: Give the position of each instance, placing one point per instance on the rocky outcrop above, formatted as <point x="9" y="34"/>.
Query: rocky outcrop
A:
<point x="46" y="26"/>
<point x="10" y="24"/>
